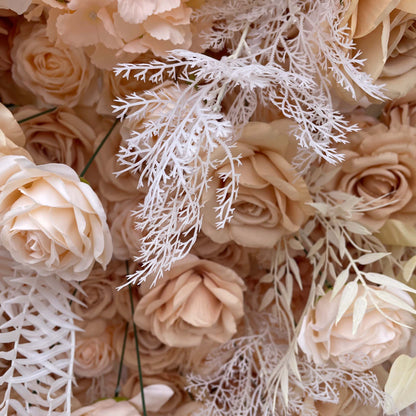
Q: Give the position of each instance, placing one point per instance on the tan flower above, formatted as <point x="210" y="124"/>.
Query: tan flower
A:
<point x="379" y="335"/>
<point x="55" y="73"/>
<point x="50" y="220"/>
<point x="174" y="381"/>
<point x="155" y="356"/>
<point x="195" y="300"/>
<point x="272" y="197"/>
<point x="18" y="6"/>
<point x="228" y="254"/>
<point x="155" y="396"/>
<point x="94" y="352"/>
<point x="126" y="237"/>
<point x="59" y="137"/>
<point x="97" y="299"/>
<point x="379" y="168"/>
<point x="385" y="32"/>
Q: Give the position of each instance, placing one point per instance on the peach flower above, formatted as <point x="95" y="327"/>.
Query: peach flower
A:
<point x="57" y="137"/>
<point x="155" y="397"/>
<point x="126" y="237"/>
<point x="30" y="196"/>
<point x="94" y="352"/>
<point x="18" y="6"/>
<point x="155" y="357"/>
<point x="379" y="335"/>
<point x="272" y="197"/>
<point x="384" y="31"/>
<point x="57" y="74"/>
<point x="379" y="168"/>
<point x="196" y="300"/>
<point x="228" y="254"/>
<point x="97" y="299"/>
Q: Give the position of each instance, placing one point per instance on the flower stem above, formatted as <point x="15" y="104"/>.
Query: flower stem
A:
<point x="136" y="341"/>
<point x="50" y="110"/>
<point x="84" y="171"/>
<point x="117" y="391"/>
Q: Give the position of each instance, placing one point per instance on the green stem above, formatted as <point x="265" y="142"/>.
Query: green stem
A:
<point x="120" y="368"/>
<point x="82" y="174"/>
<point x="136" y="340"/>
<point x="37" y="115"/>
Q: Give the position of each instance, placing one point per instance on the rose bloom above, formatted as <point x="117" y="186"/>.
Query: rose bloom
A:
<point x="57" y="74"/>
<point x="196" y="300"/>
<point x="272" y="197"/>
<point x="379" y="168"/>
<point x="228" y="254"/>
<point x="155" y="397"/>
<point x="50" y="220"/>
<point x="385" y="33"/>
<point x="377" y="338"/>
<point x="58" y="137"/>
<point x="155" y="356"/>
<point x="94" y="352"/>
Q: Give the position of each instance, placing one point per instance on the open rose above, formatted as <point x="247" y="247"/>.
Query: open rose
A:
<point x="385" y="33"/>
<point x="382" y="331"/>
<point x="272" y="197"/>
<point x="54" y="72"/>
<point x="379" y="168"/>
<point x="50" y="220"/>
<point x="197" y="299"/>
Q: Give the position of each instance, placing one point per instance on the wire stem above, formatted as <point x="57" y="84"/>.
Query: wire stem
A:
<point x="50" y="110"/>
<point x="120" y="368"/>
<point x="84" y="171"/>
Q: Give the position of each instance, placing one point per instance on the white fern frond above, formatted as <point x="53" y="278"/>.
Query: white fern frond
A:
<point x="37" y="343"/>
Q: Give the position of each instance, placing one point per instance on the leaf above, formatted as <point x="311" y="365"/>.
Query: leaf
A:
<point x="267" y="278"/>
<point x="356" y="228"/>
<point x="371" y="258"/>
<point x="393" y="300"/>
<point x="381" y="279"/>
<point x="360" y="307"/>
<point x="268" y="298"/>
<point x="409" y="268"/>
<point x="347" y="298"/>
<point x="295" y="244"/>
<point x="340" y="282"/>
<point x="401" y="384"/>
<point x="316" y="247"/>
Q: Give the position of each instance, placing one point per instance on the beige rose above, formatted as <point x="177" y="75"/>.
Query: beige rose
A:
<point x="155" y="396"/>
<point x="94" y="352"/>
<point x="97" y="299"/>
<point x="126" y="237"/>
<point x="196" y="300"/>
<point x="174" y="381"/>
<point x="228" y="254"/>
<point x="272" y="197"/>
<point x="379" y="168"/>
<point x="57" y="137"/>
<point x="379" y="335"/>
<point x="155" y="356"/>
<point x="57" y="74"/>
<point x="384" y="31"/>
<point x="50" y="221"/>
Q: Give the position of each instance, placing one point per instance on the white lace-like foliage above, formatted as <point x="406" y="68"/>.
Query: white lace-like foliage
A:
<point x="282" y="56"/>
<point x="239" y="383"/>
<point x="37" y="343"/>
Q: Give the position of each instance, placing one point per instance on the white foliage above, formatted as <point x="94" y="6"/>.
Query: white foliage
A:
<point x="282" y="54"/>
<point x="239" y="383"/>
<point x="37" y="342"/>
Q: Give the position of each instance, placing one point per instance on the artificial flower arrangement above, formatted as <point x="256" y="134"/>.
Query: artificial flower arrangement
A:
<point x="207" y="207"/>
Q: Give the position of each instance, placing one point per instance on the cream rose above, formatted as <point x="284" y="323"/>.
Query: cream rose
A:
<point x="379" y="168"/>
<point x="272" y="197"/>
<point x="385" y="34"/>
<point x="57" y="74"/>
<point x="50" y="221"/>
<point x="58" y="137"/>
<point x="378" y="336"/>
<point x="94" y="352"/>
<point x="155" y="356"/>
<point x="196" y="300"/>
<point x="155" y="397"/>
